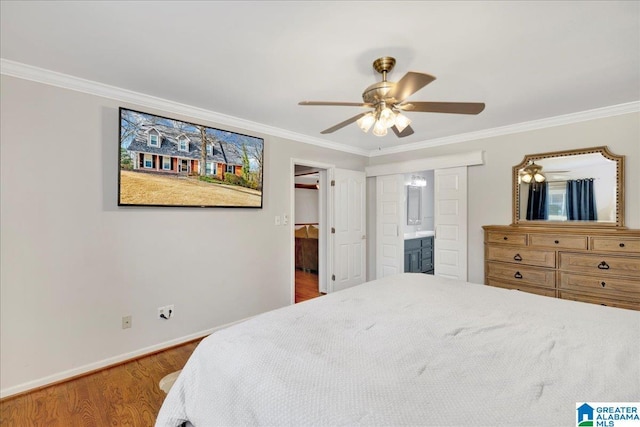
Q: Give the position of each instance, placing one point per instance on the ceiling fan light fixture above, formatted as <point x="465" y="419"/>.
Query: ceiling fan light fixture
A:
<point x="387" y="117"/>
<point x="379" y="129"/>
<point x="365" y="122"/>
<point x="402" y="122"/>
<point x="385" y="98"/>
<point x="532" y="173"/>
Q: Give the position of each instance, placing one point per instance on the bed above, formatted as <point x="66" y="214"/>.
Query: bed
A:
<point x="412" y="349"/>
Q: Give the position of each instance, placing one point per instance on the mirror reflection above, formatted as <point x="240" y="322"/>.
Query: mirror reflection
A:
<point x="414" y="205"/>
<point x="580" y="186"/>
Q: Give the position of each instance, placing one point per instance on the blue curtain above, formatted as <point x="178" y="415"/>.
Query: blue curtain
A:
<point x="581" y="203"/>
<point x="537" y="206"/>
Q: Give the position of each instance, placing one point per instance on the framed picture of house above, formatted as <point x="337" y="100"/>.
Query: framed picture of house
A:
<point x="168" y="162"/>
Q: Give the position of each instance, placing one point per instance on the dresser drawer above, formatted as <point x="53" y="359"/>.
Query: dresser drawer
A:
<point x="521" y="274"/>
<point x="631" y="305"/>
<point x="600" y="264"/>
<point x="558" y="241"/>
<point x="539" y="258"/>
<point x="605" y="286"/>
<point x="522" y="287"/>
<point x="507" y="238"/>
<point x="623" y="245"/>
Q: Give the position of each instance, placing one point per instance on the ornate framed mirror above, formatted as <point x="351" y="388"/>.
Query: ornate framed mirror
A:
<point x="574" y="188"/>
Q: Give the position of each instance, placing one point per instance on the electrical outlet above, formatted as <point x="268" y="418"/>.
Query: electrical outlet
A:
<point x="285" y="219"/>
<point x="126" y="322"/>
<point x="166" y="312"/>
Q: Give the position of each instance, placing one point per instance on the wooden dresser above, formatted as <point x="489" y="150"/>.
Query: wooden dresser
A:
<point x="594" y="265"/>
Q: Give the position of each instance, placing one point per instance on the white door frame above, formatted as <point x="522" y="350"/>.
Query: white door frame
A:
<point x="325" y="220"/>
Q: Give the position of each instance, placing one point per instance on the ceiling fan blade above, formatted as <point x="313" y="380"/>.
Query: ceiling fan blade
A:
<point x="343" y="124"/>
<point x="338" y="104"/>
<point x="410" y="84"/>
<point x="444" y="107"/>
<point x="405" y="132"/>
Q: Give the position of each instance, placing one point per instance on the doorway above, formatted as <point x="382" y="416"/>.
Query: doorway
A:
<point x="310" y="208"/>
<point x="340" y="227"/>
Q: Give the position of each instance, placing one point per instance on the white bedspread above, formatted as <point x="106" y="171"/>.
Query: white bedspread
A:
<point x="412" y="350"/>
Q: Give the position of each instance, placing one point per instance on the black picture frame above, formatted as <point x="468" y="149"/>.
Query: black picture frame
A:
<point x="159" y="161"/>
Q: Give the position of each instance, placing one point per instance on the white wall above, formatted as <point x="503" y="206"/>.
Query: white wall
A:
<point x="489" y="191"/>
<point x="307" y="205"/>
<point x="73" y="262"/>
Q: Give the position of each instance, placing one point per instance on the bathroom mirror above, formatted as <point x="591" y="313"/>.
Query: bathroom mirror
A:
<point x="573" y="188"/>
<point x="414" y="205"/>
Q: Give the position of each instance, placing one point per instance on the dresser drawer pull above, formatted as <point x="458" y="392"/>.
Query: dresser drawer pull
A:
<point x="505" y="238"/>
<point x="517" y="275"/>
<point x="603" y="284"/>
<point x="603" y="266"/>
<point x="517" y="257"/>
<point x="622" y="245"/>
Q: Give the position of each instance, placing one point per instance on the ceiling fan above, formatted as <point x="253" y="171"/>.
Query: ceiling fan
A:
<point x="388" y="101"/>
<point x="533" y="172"/>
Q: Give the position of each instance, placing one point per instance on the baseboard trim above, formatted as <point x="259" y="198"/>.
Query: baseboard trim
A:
<point x="92" y="368"/>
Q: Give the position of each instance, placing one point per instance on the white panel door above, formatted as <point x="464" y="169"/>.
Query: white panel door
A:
<point x="389" y="227"/>
<point x="349" y="243"/>
<point x="450" y="257"/>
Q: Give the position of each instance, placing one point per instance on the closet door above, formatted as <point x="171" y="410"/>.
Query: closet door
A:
<point x="450" y="251"/>
<point x="390" y="213"/>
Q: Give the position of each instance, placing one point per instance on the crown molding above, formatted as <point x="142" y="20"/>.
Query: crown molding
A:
<point x="41" y="75"/>
<point x="53" y="78"/>
<point x="582" y="116"/>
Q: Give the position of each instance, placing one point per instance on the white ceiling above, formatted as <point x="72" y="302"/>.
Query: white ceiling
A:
<point x="527" y="60"/>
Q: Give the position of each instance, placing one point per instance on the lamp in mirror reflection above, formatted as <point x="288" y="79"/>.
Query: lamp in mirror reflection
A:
<point x="418" y="181"/>
<point x="531" y="173"/>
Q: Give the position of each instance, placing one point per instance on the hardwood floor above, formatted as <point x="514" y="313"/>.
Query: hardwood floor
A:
<point x="124" y="395"/>
<point x="306" y="286"/>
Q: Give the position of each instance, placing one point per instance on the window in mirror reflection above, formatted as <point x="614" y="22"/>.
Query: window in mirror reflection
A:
<point x="557" y="193"/>
<point x="570" y="200"/>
